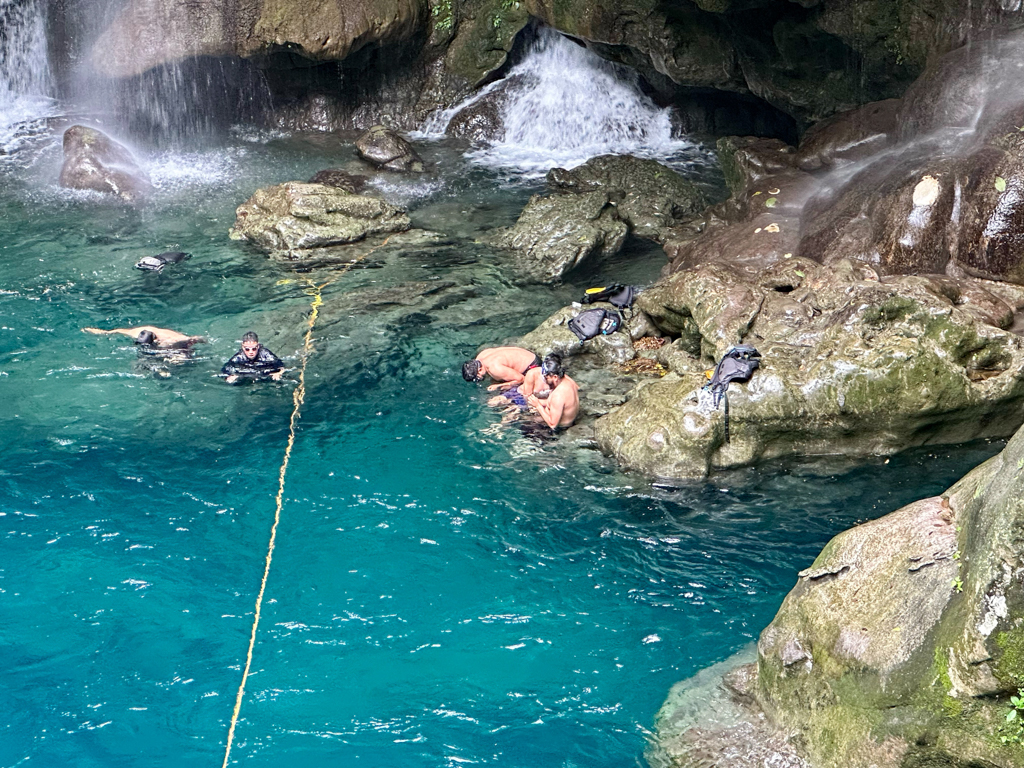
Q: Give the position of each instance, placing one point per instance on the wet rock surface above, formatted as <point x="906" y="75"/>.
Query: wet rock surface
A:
<point x="294" y="219"/>
<point x="335" y="177"/>
<point x="94" y="161"/>
<point x="386" y="149"/>
<point x="593" y="209"/>
<point x="853" y="364"/>
<point x="556" y="234"/>
<point x="899" y="646"/>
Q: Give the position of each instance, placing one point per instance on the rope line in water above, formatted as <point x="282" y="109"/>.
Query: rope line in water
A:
<point x="298" y="397"/>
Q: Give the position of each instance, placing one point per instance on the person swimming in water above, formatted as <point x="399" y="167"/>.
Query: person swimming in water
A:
<point x="507" y="366"/>
<point x="253" y="361"/>
<point x="158" y="346"/>
<point x="153" y="337"/>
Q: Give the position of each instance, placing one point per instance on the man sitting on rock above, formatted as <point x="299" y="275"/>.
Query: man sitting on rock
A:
<point x="507" y="366"/>
<point x="559" y="407"/>
<point x="253" y="361"/>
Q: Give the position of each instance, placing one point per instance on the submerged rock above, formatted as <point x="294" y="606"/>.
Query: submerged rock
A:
<point x="335" y="177"/>
<point x="92" y="160"/>
<point x="386" y="149"/>
<point x="293" y="218"/>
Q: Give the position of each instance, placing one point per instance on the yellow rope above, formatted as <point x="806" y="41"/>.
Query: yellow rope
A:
<point x="298" y="397"/>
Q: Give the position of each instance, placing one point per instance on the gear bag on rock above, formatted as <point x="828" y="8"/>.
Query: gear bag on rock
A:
<point x="619" y="296"/>
<point x="593" y="322"/>
<point x="737" y="364"/>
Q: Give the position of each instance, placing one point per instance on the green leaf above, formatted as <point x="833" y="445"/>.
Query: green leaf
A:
<point x="1000" y="184"/>
<point x="798" y="273"/>
<point x="770" y="202"/>
<point x="1011" y="715"/>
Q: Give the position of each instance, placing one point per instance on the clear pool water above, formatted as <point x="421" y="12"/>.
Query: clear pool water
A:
<point x="441" y="595"/>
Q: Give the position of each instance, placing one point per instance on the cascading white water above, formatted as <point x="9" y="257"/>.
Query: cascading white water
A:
<point x="564" y="104"/>
<point x="25" y="80"/>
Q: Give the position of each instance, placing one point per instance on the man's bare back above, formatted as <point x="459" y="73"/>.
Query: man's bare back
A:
<point x="164" y="338"/>
<point x="505" y="365"/>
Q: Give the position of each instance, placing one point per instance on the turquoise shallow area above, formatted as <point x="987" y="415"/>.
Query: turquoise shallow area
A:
<point x="441" y="593"/>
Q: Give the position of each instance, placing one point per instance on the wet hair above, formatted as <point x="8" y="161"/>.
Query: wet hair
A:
<point x="145" y="337"/>
<point x="250" y="336"/>
<point x="552" y="366"/>
<point x="471" y="370"/>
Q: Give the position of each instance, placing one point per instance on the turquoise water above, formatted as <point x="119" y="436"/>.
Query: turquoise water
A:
<point x="441" y="594"/>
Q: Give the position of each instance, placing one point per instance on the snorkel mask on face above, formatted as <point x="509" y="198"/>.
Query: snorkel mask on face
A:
<point x="552" y="366"/>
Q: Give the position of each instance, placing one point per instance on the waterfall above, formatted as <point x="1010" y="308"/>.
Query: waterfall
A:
<point x="25" y="80"/>
<point x="564" y="104"/>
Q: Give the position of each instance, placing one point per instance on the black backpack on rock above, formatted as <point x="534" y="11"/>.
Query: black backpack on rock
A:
<point x="594" y="322"/>
<point x="737" y="364"/>
<point x="619" y="296"/>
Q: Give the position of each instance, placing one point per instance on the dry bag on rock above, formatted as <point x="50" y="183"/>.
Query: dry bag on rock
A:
<point x="738" y="364"/>
<point x="619" y="296"/>
<point x="595" y="322"/>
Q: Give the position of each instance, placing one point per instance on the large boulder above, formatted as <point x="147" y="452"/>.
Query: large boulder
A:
<point x="556" y="234"/>
<point x="650" y="197"/>
<point x="92" y="160"/>
<point x="899" y="647"/>
<point x="293" y="218"/>
<point x="593" y="208"/>
<point x="920" y="673"/>
<point x="853" y="365"/>
<point x="386" y="149"/>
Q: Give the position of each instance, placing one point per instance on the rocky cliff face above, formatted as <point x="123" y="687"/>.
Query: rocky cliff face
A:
<point x="901" y="645"/>
<point x="352" y="64"/>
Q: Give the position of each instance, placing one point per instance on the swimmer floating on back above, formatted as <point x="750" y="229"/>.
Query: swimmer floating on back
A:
<point x="507" y="366"/>
<point x="253" y="361"/>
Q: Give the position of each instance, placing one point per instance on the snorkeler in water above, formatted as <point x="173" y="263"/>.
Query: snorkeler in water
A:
<point x="159" y="346"/>
<point x="151" y="336"/>
<point x="253" y="361"/>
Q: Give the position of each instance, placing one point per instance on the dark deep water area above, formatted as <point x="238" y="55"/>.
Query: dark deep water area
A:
<point x="442" y="593"/>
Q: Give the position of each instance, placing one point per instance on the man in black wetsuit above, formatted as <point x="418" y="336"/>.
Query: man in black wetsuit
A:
<point x="253" y="361"/>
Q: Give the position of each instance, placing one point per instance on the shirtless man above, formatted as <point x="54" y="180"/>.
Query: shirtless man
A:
<point x="507" y="366"/>
<point x="158" y="347"/>
<point x="559" y="408"/>
<point x="151" y="336"/>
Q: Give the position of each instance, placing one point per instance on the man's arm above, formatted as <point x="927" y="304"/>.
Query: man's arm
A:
<point x="551" y="409"/>
<point x="510" y="377"/>
<point x="123" y="331"/>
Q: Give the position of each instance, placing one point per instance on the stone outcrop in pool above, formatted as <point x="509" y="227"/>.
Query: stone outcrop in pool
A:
<point x="900" y="646"/>
<point x="877" y="270"/>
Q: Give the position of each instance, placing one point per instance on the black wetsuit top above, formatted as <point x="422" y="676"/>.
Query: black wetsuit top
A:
<point x="264" y="364"/>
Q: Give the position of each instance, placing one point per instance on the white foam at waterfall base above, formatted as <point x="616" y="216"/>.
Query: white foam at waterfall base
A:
<point x="570" y="105"/>
<point x="25" y="81"/>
